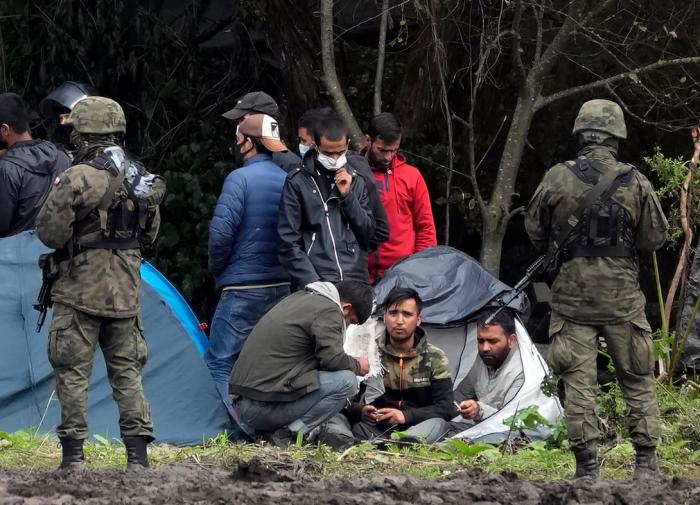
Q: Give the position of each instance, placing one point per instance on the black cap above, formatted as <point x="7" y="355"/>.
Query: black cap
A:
<point x="251" y="103"/>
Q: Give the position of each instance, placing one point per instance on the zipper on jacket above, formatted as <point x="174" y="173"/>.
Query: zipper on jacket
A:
<point x="400" y="380"/>
<point x="330" y="230"/>
<point x="313" y="239"/>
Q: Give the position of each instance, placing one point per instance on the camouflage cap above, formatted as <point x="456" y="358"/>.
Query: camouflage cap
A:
<point x="601" y="115"/>
<point x="97" y="114"/>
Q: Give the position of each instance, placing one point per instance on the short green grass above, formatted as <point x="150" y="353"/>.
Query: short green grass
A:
<point x="679" y="452"/>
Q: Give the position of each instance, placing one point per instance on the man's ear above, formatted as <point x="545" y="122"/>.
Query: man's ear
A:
<point x="346" y="306"/>
<point x="368" y="140"/>
<point x="420" y="319"/>
<point x="512" y="340"/>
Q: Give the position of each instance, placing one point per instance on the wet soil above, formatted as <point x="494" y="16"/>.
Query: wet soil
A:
<point x="256" y="484"/>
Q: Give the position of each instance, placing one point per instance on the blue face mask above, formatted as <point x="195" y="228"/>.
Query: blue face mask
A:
<point x="303" y="149"/>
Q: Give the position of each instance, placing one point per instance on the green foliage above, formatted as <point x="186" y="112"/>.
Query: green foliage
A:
<point x="528" y="418"/>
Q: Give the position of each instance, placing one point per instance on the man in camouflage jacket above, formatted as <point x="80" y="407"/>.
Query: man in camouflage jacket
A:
<point x="417" y="379"/>
<point x="596" y="291"/>
<point x="96" y="295"/>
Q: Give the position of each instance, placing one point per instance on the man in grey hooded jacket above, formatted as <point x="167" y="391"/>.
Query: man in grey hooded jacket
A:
<point x="292" y="374"/>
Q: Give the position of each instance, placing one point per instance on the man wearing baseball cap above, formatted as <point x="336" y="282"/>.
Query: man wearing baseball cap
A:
<point x="259" y="102"/>
<point x="243" y="244"/>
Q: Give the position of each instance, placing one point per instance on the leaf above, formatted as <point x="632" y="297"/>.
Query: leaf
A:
<point x="634" y="78"/>
<point x="102" y="440"/>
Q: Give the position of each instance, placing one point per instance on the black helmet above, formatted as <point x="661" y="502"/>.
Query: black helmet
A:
<point x="65" y="97"/>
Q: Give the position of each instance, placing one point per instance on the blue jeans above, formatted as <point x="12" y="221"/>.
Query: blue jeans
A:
<point x="307" y="412"/>
<point x="236" y="314"/>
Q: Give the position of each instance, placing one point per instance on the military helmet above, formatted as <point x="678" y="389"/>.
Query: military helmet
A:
<point x="97" y="114"/>
<point x="601" y="115"/>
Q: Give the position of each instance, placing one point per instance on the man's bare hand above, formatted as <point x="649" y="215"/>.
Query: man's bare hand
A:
<point x="364" y="365"/>
<point x="369" y="414"/>
<point x="394" y="417"/>
<point x="469" y="409"/>
<point x="343" y="180"/>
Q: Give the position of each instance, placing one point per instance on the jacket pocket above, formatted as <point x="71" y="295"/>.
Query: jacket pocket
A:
<point x="642" y="355"/>
<point x="559" y="352"/>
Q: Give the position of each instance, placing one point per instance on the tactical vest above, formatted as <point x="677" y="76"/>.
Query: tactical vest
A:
<point x="122" y="214"/>
<point x="606" y="228"/>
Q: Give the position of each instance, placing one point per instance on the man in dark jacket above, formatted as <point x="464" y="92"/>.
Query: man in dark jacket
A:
<point x="27" y="168"/>
<point x="243" y="245"/>
<point x="292" y="374"/>
<point x="259" y="102"/>
<point x="404" y="194"/>
<point x="417" y="383"/>
<point x="325" y="223"/>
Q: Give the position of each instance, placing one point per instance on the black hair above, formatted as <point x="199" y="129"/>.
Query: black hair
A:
<point x="386" y="126"/>
<point x="259" y="146"/>
<point x="504" y="319"/>
<point x="13" y="112"/>
<point x="398" y="295"/>
<point x="331" y="126"/>
<point x="359" y="295"/>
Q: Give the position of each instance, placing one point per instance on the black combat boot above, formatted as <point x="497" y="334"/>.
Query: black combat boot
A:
<point x="136" y="453"/>
<point x="73" y="456"/>
<point x="646" y="465"/>
<point x="586" y="464"/>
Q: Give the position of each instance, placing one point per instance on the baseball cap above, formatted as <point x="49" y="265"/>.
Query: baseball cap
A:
<point x="251" y="103"/>
<point x="265" y="128"/>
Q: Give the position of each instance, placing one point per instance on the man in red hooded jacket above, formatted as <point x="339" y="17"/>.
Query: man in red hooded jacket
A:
<point x="404" y="194"/>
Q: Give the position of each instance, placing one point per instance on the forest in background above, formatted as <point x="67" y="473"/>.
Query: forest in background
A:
<point x="487" y="92"/>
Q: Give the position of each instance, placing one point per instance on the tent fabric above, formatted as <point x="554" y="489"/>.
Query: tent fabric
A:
<point x="185" y="404"/>
<point x="453" y="285"/>
<point x="691" y="356"/>
<point x="454" y="288"/>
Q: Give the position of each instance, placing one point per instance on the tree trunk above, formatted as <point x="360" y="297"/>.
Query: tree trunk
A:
<point x="381" y="52"/>
<point x="495" y="219"/>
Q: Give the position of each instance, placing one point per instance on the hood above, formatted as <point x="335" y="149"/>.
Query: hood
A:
<point x="326" y="289"/>
<point x="420" y="346"/>
<point x="36" y="156"/>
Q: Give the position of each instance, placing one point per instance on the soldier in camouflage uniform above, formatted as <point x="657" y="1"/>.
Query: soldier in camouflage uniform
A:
<point x="596" y="291"/>
<point x="97" y="215"/>
<point x="417" y="380"/>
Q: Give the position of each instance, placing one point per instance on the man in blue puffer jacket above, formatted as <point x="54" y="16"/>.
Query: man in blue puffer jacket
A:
<point x="243" y="245"/>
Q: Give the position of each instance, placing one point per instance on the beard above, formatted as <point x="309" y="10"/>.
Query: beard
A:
<point x="493" y="360"/>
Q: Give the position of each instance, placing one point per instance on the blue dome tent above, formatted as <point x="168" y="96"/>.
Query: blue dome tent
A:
<point x="185" y="404"/>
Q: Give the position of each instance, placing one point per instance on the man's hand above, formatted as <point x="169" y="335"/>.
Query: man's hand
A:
<point x="343" y="180"/>
<point x="394" y="417"/>
<point x="364" y="365"/>
<point x="369" y="414"/>
<point x="469" y="409"/>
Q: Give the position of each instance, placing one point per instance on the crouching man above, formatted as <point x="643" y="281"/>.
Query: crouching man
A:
<point x="417" y="381"/>
<point x="292" y="374"/>
<point x="496" y="376"/>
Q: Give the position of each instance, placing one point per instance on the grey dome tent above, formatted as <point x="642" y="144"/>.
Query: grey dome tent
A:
<point x="185" y="404"/>
<point x="455" y="288"/>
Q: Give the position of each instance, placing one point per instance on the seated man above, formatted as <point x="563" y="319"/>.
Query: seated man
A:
<point x="496" y="377"/>
<point x="417" y="380"/>
<point x="292" y="374"/>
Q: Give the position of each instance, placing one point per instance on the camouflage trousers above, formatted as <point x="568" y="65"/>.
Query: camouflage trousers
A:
<point x="73" y="338"/>
<point x="572" y="356"/>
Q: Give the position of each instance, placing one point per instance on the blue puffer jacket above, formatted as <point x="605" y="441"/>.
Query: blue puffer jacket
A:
<point x="243" y="242"/>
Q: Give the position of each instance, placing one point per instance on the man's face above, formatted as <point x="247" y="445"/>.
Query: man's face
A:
<point x="401" y="320"/>
<point x="333" y="148"/>
<point x="305" y="137"/>
<point x="349" y="314"/>
<point x="494" y="344"/>
<point x="382" y="153"/>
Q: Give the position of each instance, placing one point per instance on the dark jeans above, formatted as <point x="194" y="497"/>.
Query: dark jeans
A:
<point x="236" y="314"/>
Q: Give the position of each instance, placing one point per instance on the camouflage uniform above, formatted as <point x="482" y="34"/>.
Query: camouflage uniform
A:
<point x="97" y="293"/>
<point x="596" y="295"/>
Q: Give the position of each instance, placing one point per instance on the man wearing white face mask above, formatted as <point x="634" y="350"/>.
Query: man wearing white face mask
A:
<point x="325" y="223"/>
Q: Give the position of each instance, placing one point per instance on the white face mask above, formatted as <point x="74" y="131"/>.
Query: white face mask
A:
<point x="303" y="149"/>
<point x="331" y="164"/>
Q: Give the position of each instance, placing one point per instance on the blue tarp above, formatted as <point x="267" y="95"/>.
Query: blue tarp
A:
<point x="186" y="406"/>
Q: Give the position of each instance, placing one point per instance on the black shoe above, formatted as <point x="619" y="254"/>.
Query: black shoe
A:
<point x="586" y="464"/>
<point x="136" y="452"/>
<point x="335" y="441"/>
<point x="73" y="456"/>
<point x="283" y="437"/>
<point x="646" y="465"/>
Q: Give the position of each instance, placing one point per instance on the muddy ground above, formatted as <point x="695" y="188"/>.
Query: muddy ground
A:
<point x="255" y="484"/>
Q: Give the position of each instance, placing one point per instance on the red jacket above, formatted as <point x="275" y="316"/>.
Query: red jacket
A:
<point x="405" y="197"/>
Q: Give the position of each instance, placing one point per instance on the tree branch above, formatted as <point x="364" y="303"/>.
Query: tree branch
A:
<point x="330" y="77"/>
<point x="543" y="101"/>
<point x="381" y="51"/>
<point x="517" y="47"/>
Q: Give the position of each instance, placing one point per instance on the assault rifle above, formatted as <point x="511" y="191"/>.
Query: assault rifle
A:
<point x="49" y="271"/>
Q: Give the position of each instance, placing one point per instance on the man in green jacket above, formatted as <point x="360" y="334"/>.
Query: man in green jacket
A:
<point x="292" y="374"/>
<point x="596" y="291"/>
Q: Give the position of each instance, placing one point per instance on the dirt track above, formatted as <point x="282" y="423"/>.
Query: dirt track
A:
<point x="193" y="484"/>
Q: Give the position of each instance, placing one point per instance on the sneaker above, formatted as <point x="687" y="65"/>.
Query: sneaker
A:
<point x="283" y="437"/>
